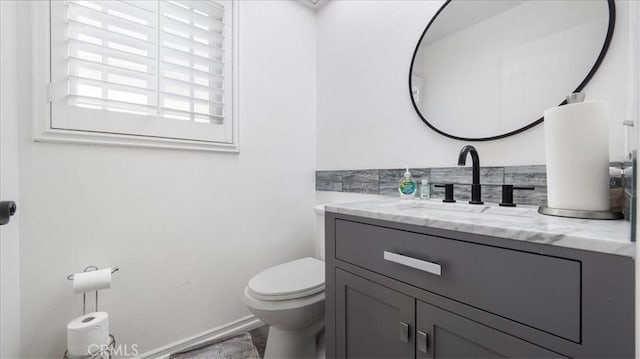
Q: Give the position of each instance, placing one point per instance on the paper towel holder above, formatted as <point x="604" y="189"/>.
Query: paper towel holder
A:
<point x="84" y="295"/>
<point x="576" y="98"/>
<point x="100" y="354"/>
<point x="573" y="213"/>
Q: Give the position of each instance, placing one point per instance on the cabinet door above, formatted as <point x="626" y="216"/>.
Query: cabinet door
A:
<point x="442" y="334"/>
<point x="372" y="321"/>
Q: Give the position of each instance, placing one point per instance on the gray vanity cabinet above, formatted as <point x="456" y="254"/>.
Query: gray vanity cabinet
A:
<point x="376" y="321"/>
<point x="403" y="291"/>
<point x="441" y="334"/>
<point x="383" y="323"/>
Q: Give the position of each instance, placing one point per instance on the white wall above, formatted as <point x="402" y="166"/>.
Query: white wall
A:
<point x="365" y="116"/>
<point x="634" y="112"/>
<point x="188" y="229"/>
<point x="9" y="243"/>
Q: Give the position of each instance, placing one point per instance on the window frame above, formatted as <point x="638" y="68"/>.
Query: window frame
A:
<point x="42" y="91"/>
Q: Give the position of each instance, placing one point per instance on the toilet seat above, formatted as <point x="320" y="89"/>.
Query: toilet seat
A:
<point x="297" y="279"/>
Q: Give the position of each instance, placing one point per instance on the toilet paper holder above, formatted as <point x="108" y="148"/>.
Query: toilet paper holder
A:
<point x="102" y="353"/>
<point x="84" y="295"/>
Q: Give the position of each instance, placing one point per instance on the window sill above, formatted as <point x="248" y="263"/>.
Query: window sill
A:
<point x="106" y="139"/>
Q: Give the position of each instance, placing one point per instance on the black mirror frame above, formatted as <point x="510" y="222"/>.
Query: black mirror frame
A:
<point x="596" y="65"/>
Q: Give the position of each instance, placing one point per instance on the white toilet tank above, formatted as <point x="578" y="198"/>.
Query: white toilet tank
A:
<point x="319" y="231"/>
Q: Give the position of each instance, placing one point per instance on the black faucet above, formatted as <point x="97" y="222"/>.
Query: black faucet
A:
<point x="476" y="196"/>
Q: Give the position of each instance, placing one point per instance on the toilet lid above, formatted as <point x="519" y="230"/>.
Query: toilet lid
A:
<point x="297" y="279"/>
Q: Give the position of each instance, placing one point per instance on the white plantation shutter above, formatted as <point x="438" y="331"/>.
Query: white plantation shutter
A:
<point x="112" y="56"/>
<point x="192" y="60"/>
<point x="146" y="68"/>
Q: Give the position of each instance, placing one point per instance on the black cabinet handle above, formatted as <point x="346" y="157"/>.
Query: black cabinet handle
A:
<point x="448" y="192"/>
<point x="507" y="194"/>
<point x="7" y="209"/>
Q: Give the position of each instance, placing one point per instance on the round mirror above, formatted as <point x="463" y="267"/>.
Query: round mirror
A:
<point x="487" y="69"/>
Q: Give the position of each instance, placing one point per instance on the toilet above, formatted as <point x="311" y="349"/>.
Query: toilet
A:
<point x="289" y="297"/>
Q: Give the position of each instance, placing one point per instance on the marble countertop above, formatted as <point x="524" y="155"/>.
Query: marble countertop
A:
<point x="521" y="223"/>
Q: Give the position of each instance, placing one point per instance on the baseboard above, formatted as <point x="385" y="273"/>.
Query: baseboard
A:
<point x="241" y="325"/>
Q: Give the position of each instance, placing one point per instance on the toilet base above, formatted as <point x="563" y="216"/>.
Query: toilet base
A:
<point x="293" y="344"/>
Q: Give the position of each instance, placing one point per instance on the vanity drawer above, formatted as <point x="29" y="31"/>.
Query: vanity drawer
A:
<point x="536" y="290"/>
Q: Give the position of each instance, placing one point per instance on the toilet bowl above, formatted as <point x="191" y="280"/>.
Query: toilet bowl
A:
<point x="289" y="297"/>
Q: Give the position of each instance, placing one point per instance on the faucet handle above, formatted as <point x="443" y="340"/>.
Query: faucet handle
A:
<point x="448" y="192"/>
<point x="507" y="194"/>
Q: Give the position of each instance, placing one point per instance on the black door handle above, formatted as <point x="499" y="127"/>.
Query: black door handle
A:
<point x="7" y="209"/>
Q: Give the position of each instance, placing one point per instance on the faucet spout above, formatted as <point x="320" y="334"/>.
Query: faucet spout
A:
<point x="476" y="196"/>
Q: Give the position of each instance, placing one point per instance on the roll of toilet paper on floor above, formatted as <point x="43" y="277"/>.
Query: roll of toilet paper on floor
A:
<point x="577" y="154"/>
<point x="88" y="334"/>
<point x="92" y="280"/>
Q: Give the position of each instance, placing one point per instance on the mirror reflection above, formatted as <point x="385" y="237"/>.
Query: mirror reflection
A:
<point x="488" y="68"/>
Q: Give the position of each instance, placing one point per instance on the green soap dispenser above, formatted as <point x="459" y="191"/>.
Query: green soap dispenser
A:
<point x="407" y="186"/>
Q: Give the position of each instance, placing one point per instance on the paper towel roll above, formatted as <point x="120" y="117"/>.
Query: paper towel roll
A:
<point x="88" y="334"/>
<point x="577" y="153"/>
<point x="92" y="281"/>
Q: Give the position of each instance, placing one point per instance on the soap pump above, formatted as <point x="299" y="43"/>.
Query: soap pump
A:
<point x="407" y="186"/>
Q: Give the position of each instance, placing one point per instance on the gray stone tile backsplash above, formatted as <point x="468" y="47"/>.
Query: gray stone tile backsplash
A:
<point x="385" y="182"/>
<point x="462" y="175"/>
<point x="525" y="175"/>
<point x="536" y="197"/>
<point x="389" y="181"/>
<point x="361" y="181"/>
<point x="329" y="181"/>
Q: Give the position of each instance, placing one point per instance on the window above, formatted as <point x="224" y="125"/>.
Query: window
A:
<point x="146" y="71"/>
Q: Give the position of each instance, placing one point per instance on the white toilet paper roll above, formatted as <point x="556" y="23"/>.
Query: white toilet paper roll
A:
<point x="92" y="281"/>
<point x="88" y="334"/>
<point x="577" y="154"/>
